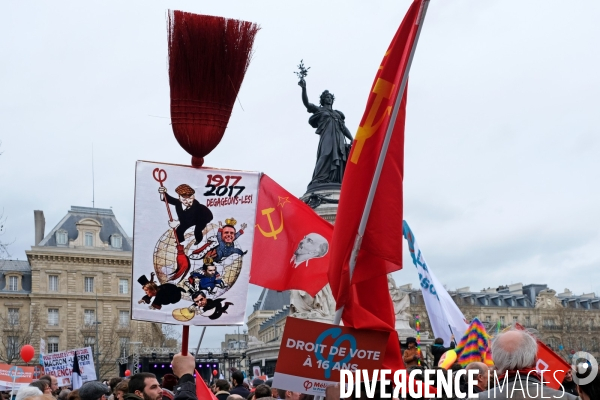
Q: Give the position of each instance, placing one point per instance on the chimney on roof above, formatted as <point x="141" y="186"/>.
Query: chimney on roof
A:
<point x="40" y="225"/>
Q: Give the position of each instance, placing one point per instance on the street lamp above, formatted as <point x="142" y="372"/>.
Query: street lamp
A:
<point x="96" y="345"/>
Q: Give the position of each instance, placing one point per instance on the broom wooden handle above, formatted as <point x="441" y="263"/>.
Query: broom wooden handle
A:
<point x="185" y="338"/>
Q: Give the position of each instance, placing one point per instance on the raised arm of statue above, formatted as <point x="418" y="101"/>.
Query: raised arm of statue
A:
<point x="309" y="106"/>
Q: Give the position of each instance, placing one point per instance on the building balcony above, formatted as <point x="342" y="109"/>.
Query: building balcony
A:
<point x="531" y="326"/>
<point x="89" y="326"/>
<point x="552" y="327"/>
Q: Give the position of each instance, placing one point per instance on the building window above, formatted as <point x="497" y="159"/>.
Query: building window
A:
<point x="116" y="241"/>
<point x="53" y="283"/>
<point x="488" y="318"/>
<point x="123" y="317"/>
<point x="528" y="321"/>
<point x="89" y="317"/>
<point x="515" y="319"/>
<point x="53" y="316"/>
<point x="89" y="239"/>
<point x="61" y="238"/>
<point x="548" y="321"/>
<point x="89" y="341"/>
<point x="502" y="321"/>
<point x="123" y="286"/>
<point x="89" y="284"/>
<point x="123" y="346"/>
<point x="12" y="347"/>
<point x="13" y="283"/>
<point x="52" y="344"/>
<point x="13" y="316"/>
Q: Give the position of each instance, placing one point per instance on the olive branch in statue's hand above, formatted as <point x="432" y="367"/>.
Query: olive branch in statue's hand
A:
<point x="302" y="71"/>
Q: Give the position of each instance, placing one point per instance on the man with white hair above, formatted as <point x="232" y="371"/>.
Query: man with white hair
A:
<point x="514" y="354"/>
<point x="28" y="391"/>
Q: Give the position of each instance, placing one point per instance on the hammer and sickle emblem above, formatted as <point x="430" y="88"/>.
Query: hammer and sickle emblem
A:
<point x="273" y="232"/>
<point x="382" y="89"/>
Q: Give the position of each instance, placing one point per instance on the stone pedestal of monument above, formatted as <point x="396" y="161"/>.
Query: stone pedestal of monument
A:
<point x="323" y="198"/>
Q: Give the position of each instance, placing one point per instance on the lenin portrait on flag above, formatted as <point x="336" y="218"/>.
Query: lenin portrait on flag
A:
<point x="312" y="245"/>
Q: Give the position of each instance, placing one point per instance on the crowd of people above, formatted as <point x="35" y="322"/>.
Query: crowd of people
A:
<point x="514" y="372"/>
<point x="514" y="355"/>
<point x="180" y="385"/>
<point x="239" y="389"/>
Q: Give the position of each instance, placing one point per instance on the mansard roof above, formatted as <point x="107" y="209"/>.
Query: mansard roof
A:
<point x="271" y="300"/>
<point x="104" y="217"/>
<point x="21" y="266"/>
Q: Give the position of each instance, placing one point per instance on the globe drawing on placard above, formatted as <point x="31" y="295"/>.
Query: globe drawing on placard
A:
<point x="165" y="253"/>
<point x="165" y="259"/>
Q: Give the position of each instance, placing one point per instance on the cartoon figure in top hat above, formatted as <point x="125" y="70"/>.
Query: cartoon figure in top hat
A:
<point x="189" y="212"/>
<point x="164" y="294"/>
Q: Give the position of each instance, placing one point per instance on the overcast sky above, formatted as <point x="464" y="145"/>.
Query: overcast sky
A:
<point x="502" y="143"/>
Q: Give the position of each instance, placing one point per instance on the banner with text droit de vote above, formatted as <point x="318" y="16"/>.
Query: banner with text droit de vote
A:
<point x="14" y="376"/>
<point x="313" y="353"/>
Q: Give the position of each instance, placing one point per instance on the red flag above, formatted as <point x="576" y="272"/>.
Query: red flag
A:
<point x="366" y="299"/>
<point x="202" y="391"/>
<point x="382" y="241"/>
<point x="291" y="242"/>
<point x="555" y="365"/>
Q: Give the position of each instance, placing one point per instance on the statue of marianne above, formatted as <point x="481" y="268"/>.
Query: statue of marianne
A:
<point x="333" y="150"/>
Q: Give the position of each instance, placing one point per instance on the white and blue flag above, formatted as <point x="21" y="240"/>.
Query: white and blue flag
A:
<point x="444" y="315"/>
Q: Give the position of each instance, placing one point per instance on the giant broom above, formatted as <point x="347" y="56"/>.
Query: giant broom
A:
<point x="208" y="58"/>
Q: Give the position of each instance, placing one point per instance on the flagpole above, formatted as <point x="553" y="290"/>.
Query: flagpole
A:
<point x="200" y="341"/>
<point x="384" y="148"/>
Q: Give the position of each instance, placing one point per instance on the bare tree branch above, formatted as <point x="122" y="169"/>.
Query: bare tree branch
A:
<point x="110" y="340"/>
<point x="4" y="254"/>
<point x="171" y="336"/>
<point x="17" y="331"/>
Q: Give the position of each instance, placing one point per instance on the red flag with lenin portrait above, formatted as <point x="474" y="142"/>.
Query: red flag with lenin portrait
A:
<point x="366" y="300"/>
<point x="291" y="242"/>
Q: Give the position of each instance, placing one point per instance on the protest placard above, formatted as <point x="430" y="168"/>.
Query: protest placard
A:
<point x="13" y="376"/>
<point x="313" y="353"/>
<point x="193" y="236"/>
<point x="60" y="365"/>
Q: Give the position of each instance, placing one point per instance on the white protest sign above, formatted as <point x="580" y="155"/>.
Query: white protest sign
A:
<point x="60" y="365"/>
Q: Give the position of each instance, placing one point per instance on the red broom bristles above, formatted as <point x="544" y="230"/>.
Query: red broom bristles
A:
<point x="208" y="58"/>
